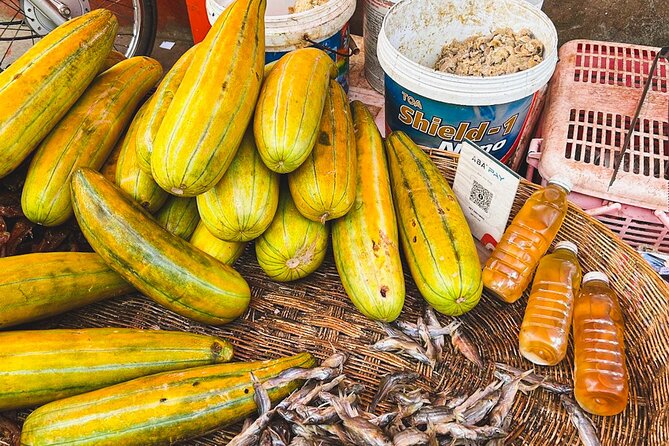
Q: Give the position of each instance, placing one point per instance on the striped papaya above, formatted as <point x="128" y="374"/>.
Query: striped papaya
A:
<point x="40" y="285"/>
<point x="213" y="106"/>
<point x="179" y="216"/>
<point x="39" y="366"/>
<point x="225" y="252"/>
<point x="112" y="59"/>
<point x="178" y="275"/>
<point x="293" y="246"/>
<point x="108" y="169"/>
<point x="85" y="137"/>
<point x="364" y="241"/>
<point x="290" y="106"/>
<point x="241" y="206"/>
<point x="148" y="125"/>
<point x="160" y="409"/>
<point x="436" y="240"/>
<point x="133" y="180"/>
<point x="323" y="187"/>
<point x="40" y="86"/>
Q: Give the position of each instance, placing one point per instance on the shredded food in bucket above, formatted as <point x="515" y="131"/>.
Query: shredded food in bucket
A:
<point x="501" y="52"/>
<point x="305" y="5"/>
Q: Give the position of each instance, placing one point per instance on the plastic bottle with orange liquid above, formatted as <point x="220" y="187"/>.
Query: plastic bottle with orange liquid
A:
<point x="600" y="374"/>
<point x="508" y="271"/>
<point x="544" y="333"/>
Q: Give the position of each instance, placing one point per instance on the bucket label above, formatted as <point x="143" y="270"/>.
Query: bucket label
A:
<point x="494" y="128"/>
<point x="339" y="43"/>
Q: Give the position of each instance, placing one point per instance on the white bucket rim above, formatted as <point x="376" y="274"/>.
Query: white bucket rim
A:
<point x="468" y="90"/>
<point x="287" y="32"/>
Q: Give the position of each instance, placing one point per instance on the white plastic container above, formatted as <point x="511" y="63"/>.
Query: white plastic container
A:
<point x="326" y="24"/>
<point x="440" y="110"/>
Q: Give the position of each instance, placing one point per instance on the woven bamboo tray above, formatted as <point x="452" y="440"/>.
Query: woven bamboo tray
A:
<point x="315" y="315"/>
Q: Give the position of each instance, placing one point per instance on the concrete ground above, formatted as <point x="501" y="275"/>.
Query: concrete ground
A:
<point x="644" y="22"/>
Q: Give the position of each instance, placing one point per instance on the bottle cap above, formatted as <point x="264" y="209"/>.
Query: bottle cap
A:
<point x="595" y="275"/>
<point x="566" y="244"/>
<point x="562" y="181"/>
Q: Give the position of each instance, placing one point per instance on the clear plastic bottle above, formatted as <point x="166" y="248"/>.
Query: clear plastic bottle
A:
<point x="544" y="333"/>
<point x="600" y="374"/>
<point x="508" y="271"/>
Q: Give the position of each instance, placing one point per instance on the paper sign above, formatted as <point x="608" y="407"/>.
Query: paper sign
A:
<point x="167" y="45"/>
<point x="485" y="189"/>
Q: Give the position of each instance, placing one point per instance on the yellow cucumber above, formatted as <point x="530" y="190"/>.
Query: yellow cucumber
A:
<point x="40" y="366"/>
<point x="179" y="216"/>
<point x="225" y="252"/>
<point x="241" y="206"/>
<point x="213" y="106"/>
<point x="323" y="187"/>
<point x="164" y="267"/>
<point x="364" y="241"/>
<point x="40" y="285"/>
<point x="160" y="409"/>
<point x="153" y="115"/>
<point x="85" y="137"/>
<point x="293" y="246"/>
<point x="436" y="240"/>
<point x="41" y="85"/>
<point x="133" y="180"/>
<point x="289" y="108"/>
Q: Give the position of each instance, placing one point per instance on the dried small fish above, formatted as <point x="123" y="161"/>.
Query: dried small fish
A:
<point x="388" y="383"/>
<point x="280" y="432"/>
<point x="507" y="396"/>
<point x="460" y="431"/>
<point x="480" y="409"/>
<point x="411" y="330"/>
<point x="393" y="332"/>
<point x="586" y="430"/>
<point x="465" y="346"/>
<point x="433" y="324"/>
<point x="413" y="397"/>
<point x="312" y="392"/>
<point x="432" y="415"/>
<point x="335" y="361"/>
<point x="351" y="387"/>
<point x="360" y="430"/>
<point x="430" y="350"/>
<point x="260" y="396"/>
<point x="456" y="401"/>
<point x="300" y="441"/>
<point x="536" y="379"/>
<point x="476" y="397"/>
<point x="251" y="435"/>
<point x="384" y="420"/>
<point x="401" y="346"/>
<point x="410" y="437"/>
<point x="410" y="409"/>
<point x="317" y="373"/>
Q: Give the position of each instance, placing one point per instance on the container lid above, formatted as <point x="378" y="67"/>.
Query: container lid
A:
<point x="566" y="244"/>
<point x="562" y="181"/>
<point x="595" y="275"/>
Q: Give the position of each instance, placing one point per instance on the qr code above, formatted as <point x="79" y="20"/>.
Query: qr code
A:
<point x="480" y="196"/>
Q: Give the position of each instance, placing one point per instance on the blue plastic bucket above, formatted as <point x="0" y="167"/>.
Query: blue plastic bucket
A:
<point x="439" y="110"/>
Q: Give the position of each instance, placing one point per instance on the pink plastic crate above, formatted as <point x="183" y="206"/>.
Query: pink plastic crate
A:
<point x="592" y="98"/>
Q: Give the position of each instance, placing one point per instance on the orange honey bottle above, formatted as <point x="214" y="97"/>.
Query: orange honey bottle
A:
<point x="508" y="271"/>
<point x="544" y="333"/>
<point x="600" y="374"/>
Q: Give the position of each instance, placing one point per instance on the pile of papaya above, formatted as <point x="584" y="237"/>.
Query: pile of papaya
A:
<point x="169" y="177"/>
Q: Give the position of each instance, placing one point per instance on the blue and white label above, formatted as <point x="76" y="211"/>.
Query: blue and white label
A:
<point x="494" y="128"/>
<point x="338" y="43"/>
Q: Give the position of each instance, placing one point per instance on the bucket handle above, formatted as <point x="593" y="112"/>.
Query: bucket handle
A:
<point x="352" y="47"/>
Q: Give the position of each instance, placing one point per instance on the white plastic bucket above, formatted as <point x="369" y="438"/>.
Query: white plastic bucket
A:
<point x="326" y="24"/>
<point x="440" y="110"/>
